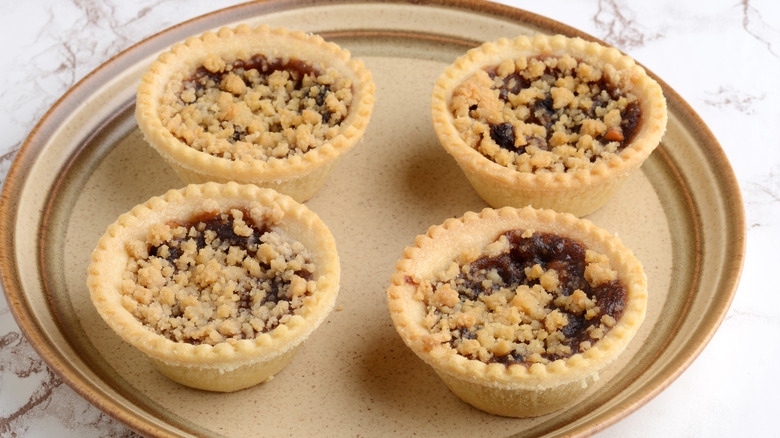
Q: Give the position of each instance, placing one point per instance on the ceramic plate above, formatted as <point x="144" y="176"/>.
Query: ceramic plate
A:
<point x="86" y="163"/>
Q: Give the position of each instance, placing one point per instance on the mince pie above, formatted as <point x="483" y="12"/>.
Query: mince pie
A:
<point x="547" y="121"/>
<point x="255" y="105"/>
<point x="517" y="310"/>
<point x="218" y="284"/>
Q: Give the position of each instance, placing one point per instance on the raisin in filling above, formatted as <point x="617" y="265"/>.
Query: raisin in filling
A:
<point x="572" y="313"/>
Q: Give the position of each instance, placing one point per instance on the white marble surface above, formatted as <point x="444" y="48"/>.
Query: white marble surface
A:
<point x="722" y="56"/>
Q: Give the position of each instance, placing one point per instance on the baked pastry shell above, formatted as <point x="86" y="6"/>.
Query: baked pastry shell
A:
<point x="579" y="192"/>
<point x="227" y="366"/>
<point x="299" y="176"/>
<point x="516" y="390"/>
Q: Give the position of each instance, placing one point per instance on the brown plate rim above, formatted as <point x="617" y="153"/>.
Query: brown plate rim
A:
<point x="28" y="153"/>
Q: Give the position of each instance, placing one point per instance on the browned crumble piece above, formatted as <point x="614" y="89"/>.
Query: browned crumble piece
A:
<point x="220" y="278"/>
<point x="528" y="298"/>
<point x="545" y="114"/>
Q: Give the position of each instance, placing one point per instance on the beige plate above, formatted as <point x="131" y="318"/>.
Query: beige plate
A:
<point x="85" y="164"/>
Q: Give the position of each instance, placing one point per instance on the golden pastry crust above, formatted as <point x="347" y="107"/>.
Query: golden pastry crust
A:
<point x="542" y="377"/>
<point x="216" y="310"/>
<point x="552" y="122"/>
<point x="255" y="105"/>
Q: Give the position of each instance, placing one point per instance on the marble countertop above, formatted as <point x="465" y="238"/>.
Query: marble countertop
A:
<point x="722" y="56"/>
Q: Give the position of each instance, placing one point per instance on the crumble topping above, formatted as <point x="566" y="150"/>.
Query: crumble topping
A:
<point x="545" y="113"/>
<point x="256" y="108"/>
<point x="220" y="278"/>
<point x="528" y="298"/>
